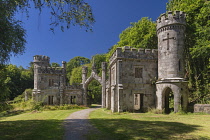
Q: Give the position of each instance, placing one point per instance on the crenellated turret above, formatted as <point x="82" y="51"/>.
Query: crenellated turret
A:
<point x="41" y="60"/>
<point x="171" y="61"/>
<point x="171" y="34"/>
<point x="171" y="18"/>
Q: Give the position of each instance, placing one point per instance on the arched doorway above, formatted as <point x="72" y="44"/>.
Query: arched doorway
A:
<point x="94" y="94"/>
<point x="168" y="100"/>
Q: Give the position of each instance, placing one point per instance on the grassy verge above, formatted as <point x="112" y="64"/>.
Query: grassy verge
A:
<point x="34" y="125"/>
<point x="124" y="126"/>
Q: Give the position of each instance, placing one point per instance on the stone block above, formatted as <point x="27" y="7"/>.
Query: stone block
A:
<point x="205" y="108"/>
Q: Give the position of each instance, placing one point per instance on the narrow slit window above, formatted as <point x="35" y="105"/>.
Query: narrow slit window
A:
<point x="179" y="65"/>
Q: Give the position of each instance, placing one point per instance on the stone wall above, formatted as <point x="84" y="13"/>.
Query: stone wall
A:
<point x="50" y="85"/>
<point x="202" y="108"/>
<point x="133" y="73"/>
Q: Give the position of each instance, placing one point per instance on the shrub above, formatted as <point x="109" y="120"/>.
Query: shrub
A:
<point x="4" y="106"/>
<point x="156" y="111"/>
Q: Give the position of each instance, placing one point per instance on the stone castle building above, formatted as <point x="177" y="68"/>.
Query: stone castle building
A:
<point x="139" y="79"/>
<point x="50" y="84"/>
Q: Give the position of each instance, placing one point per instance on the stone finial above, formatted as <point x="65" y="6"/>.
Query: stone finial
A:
<point x="103" y="65"/>
<point x="64" y="64"/>
<point x="84" y="69"/>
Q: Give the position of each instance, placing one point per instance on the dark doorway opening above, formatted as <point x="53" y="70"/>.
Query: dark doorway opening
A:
<point x="94" y="94"/>
<point x="73" y="100"/>
<point x="138" y="102"/>
<point x="50" y="100"/>
<point x="169" y="101"/>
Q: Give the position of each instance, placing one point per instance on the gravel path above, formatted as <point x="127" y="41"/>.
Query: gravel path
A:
<point x="77" y="125"/>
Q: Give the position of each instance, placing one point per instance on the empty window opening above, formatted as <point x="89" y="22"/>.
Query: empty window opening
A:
<point x="138" y="72"/>
<point x="73" y="99"/>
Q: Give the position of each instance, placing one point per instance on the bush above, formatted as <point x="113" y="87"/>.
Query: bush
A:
<point x="156" y="111"/>
<point x="38" y="106"/>
<point x="4" y="106"/>
<point x="62" y="107"/>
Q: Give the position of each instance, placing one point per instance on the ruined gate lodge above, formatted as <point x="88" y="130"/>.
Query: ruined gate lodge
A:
<point x="139" y="79"/>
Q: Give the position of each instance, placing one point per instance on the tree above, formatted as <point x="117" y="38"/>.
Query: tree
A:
<point x="141" y="34"/>
<point x="55" y="64"/>
<point x="97" y="60"/>
<point x="94" y="88"/>
<point x="64" y="13"/>
<point x="74" y="63"/>
<point x="14" y="81"/>
<point x="4" y="91"/>
<point x="197" y="46"/>
<point x="12" y="35"/>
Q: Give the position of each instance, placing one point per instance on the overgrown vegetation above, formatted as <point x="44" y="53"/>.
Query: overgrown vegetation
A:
<point x="149" y="126"/>
<point x="14" y="80"/>
<point x="197" y="46"/>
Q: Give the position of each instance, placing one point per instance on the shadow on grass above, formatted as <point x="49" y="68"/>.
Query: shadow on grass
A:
<point x="31" y="130"/>
<point x="111" y="129"/>
<point x="124" y="129"/>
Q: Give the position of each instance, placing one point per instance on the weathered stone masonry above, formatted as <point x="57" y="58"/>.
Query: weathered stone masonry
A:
<point x="131" y="74"/>
<point x="50" y="84"/>
<point x="139" y="79"/>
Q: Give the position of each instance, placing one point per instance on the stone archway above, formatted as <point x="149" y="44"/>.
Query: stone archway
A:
<point x="92" y="95"/>
<point x="102" y="80"/>
<point x="168" y="100"/>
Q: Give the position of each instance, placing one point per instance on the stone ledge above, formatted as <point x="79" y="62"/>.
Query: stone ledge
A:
<point x="171" y="80"/>
<point x="202" y="108"/>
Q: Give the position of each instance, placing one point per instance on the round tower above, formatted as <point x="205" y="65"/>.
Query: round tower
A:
<point x="171" y="34"/>
<point x="171" y="68"/>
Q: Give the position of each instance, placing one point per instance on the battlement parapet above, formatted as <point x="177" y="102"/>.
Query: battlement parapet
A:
<point x="41" y="58"/>
<point x="171" y="18"/>
<point x="133" y="53"/>
<point x="51" y="70"/>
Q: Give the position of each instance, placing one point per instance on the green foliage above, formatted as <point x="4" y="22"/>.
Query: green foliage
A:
<point x="197" y="46"/>
<point x="55" y="64"/>
<point x="14" y="81"/>
<point x="98" y="59"/>
<point x="94" y="92"/>
<point x="94" y="88"/>
<point x="76" y="76"/>
<point x="63" y="107"/>
<point x="64" y="13"/>
<point x="75" y="63"/>
<point x="141" y="34"/>
<point x="5" y="106"/>
<point x="12" y="38"/>
<point x="156" y="111"/>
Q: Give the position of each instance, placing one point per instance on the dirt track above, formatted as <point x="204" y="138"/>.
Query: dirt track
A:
<point x="77" y="125"/>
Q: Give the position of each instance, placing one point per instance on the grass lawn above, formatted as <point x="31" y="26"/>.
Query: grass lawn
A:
<point x="141" y="126"/>
<point x="34" y="125"/>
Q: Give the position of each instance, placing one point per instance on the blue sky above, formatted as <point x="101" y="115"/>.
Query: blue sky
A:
<point x="112" y="17"/>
